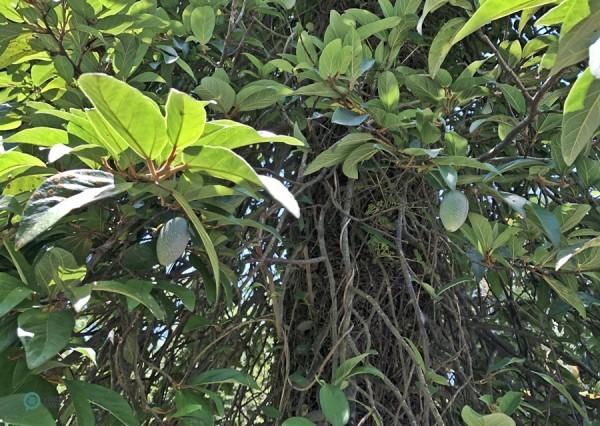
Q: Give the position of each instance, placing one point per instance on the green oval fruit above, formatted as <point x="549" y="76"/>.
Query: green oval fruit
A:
<point x="172" y="240"/>
<point x="454" y="210"/>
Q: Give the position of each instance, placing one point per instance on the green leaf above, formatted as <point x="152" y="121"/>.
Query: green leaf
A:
<point x="135" y="117"/>
<point x="58" y="267"/>
<point x="454" y="210"/>
<point x="549" y="222"/>
<point x="483" y="232"/>
<point x="224" y="375"/>
<point x="338" y="152"/>
<point x="297" y="421"/>
<point x="566" y="293"/>
<point x="573" y="46"/>
<point x="358" y="155"/>
<point x="509" y="402"/>
<point x="172" y="240"/>
<point x="430" y="6"/>
<point x="460" y="161"/>
<point x="230" y="134"/>
<point x="13" y="163"/>
<point x="102" y="397"/>
<point x="260" y="94"/>
<point x="187" y="296"/>
<point x="280" y="192"/>
<point x="59" y="195"/>
<point x="514" y="97"/>
<point x="471" y="417"/>
<point x="215" y="89"/>
<point x="442" y="43"/>
<point x="185" y="119"/>
<point x="44" y="334"/>
<point x="346" y="368"/>
<point x="202" y="22"/>
<point x="12" y="292"/>
<point x="137" y="290"/>
<point x="206" y="241"/>
<point x="42" y="136"/>
<point x="376" y="27"/>
<point x="580" y="117"/>
<point x="347" y="118"/>
<point x="495" y="9"/>
<point x="497" y="419"/>
<point x="388" y="90"/>
<point x="330" y="59"/>
<point x="222" y="163"/>
<point x="334" y="405"/>
<point x="566" y="254"/>
<point x="24" y="409"/>
<point x="424" y="87"/>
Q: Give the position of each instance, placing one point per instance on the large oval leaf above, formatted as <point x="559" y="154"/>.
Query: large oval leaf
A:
<point x="172" y="240"/>
<point x="135" y="117"/>
<point x="334" y="405"/>
<point x="44" y="334"/>
<point x="185" y="118"/>
<point x="59" y="195"/>
<point x="221" y="163"/>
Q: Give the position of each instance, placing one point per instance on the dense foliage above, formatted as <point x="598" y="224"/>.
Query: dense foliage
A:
<point x="414" y="237"/>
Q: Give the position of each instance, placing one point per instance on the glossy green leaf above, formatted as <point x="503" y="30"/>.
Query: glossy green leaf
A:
<point x="357" y="156"/>
<point x="580" y="119"/>
<point x="42" y="136"/>
<point x="338" y="152"/>
<point x="215" y="89"/>
<point x="442" y="43"/>
<point x="330" y="59"/>
<point x="232" y="135"/>
<point x="13" y="163"/>
<point x="185" y="119"/>
<point x="334" y="405"/>
<point x="573" y="46"/>
<point x="58" y="267"/>
<point x="221" y="163"/>
<point x="137" y="290"/>
<point x="454" y="210"/>
<point x="61" y="194"/>
<point x="376" y="27"/>
<point x="172" y="240"/>
<point x="44" y="334"/>
<point x="135" y="117"/>
<point x="346" y="367"/>
<point x="202" y="22"/>
<point x="388" y="90"/>
<point x="495" y="9"/>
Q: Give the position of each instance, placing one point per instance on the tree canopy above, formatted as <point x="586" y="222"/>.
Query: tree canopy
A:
<point x="243" y="212"/>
